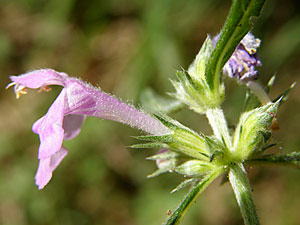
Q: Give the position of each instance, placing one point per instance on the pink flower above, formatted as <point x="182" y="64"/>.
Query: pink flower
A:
<point x="66" y="115"/>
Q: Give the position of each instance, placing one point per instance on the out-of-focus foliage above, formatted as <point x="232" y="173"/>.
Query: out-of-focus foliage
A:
<point x="124" y="46"/>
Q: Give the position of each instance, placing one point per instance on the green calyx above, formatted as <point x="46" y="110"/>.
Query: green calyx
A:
<point x="183" y="140"/>
<point x="195" y="155"/>
<point x="195" y="168"/>
<point x="192" y="87"/>
<point x="254" y="130"/>
<point x="189" y="153"/>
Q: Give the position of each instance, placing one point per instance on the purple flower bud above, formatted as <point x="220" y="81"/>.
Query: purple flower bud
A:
<point x="243" y="61"/>
<point x="67" y="113"/>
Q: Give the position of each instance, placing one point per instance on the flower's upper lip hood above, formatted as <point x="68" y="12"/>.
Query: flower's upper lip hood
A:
<point x="39" y="78"/>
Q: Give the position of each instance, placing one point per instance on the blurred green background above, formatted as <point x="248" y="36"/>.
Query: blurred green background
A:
<point x="125" y="46"/>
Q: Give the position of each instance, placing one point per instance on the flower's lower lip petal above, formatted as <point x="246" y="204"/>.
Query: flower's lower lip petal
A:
<point x="43" y="174"/>
<point x="72" y="125"/>
<point x="51" y="141"/>
<point x="57" y="158"/>
<point x="47" y="166"/>
<point x="37" y="124"/>
<point x="49" y="128"/>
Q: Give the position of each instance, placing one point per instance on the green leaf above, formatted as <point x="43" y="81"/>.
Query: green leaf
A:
<point x="185" y="77"/>
<point x="237" y="25"/>
<point x="182" y="140"/>
<point x="187" y="142"/>
<point x="215" y="155"/>
<point x="167" y="121"/>
<point x="158" y="172"/>
<point x="289" y="160"/>
<point x="270" y="84"/>
<point x="197" y="68"/>
<point x="150" y="145"/>
<point x="162" y="138"/>
<point x="164" y="156"/>
<point x="195" y="168"/>
<point x="284" y="95"/>
<point x="214" y="144"/>
<point x="184" y="183"/>
<point x="190" y="198"/>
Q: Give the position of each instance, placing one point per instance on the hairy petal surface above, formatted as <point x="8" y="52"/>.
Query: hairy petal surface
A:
<point x="39" y="78"/>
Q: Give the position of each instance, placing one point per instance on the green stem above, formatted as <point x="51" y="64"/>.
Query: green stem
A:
<point x="190" y="198"/>
<point x="219" y="126"/>
<point x="241" y="187"/>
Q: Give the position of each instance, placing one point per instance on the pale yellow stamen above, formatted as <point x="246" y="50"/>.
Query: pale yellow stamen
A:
<point x="19" y="89"/>
<point x="10" y="85"/>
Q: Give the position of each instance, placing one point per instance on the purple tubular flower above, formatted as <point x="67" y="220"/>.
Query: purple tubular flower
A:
<point x="67" y="113"/>
<point x="243" y="61"/>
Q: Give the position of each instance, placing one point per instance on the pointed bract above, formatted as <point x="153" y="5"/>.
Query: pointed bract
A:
<point x="254" y="130"/>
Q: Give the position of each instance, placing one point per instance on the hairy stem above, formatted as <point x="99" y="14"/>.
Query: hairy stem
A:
<point x="241" y="187"/>
<point x="219" y="126"/>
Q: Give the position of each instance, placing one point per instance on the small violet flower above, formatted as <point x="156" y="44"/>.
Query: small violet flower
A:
<point x="243" y="61"/>
<point x="66" y="115"/>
